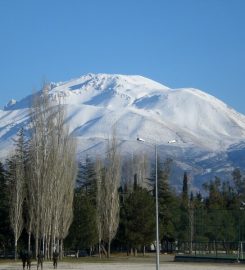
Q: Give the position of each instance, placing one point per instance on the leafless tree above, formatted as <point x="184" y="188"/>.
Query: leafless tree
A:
<point x="16" y="177"/>
<point x="52" y="170"/>
<point x="141" y="169"/>
<point x="109" y="192"/>
<point x="135" y="168"/>
<point x="68" y="178"/>
<point x="99" y="201"/>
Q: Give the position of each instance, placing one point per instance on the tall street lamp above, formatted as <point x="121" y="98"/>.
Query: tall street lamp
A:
<point x="240" y="243"/>
<point x="156" y="201"/>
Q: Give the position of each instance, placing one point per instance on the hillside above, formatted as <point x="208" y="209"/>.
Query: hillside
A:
<point x="207" y="132"/>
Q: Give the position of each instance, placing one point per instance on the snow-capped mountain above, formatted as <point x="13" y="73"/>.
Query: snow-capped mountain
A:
<point x="207" y="132"/>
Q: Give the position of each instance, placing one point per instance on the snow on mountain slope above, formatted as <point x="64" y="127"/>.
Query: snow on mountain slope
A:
<point x="139" y="106"/>
<point x="198" y="114"/>
<point x="188" y="115"/>
<point x="136" y="106"/>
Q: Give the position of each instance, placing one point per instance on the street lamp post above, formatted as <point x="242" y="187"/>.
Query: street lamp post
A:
<point x="156" y="196"/>
<point x="240" y="243"/>
<point x="157" y="221"/>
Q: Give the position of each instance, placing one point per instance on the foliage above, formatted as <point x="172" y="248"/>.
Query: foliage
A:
<point x="46" y="189"/>
<point x="86" y="179"/>
<point x="167" y="203"/>
<point x="139" y="218"/>
<point x="83" y="231"/>
<point x="5" y="232"/>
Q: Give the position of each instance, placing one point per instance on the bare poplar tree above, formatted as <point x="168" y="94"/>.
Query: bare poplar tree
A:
<point x="141" y="169"/>
<point x="135" y="168"/>
<point x="109" y="192"/>
<point x="99" y="201"/>
<point x="68" y="177"/>
<point x="16" y="177"/>
<point x="52" y="167"/>
<point x="39" y="150"/>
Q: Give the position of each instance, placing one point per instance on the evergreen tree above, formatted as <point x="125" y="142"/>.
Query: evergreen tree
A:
<point x="83" y="231"/>
<point x="120" y="239"/>
<point x="86" y="179"/>
<point x="185" y="190"/>
<point x="5" y="232"/>
<point x="167" y="205"/>
<point x="139" y="218"/>
<point x="219" y="222"/>
<point x="200" y="216"/>
<point x="239" y="181"/>
<point x="230" y="198"/>
<point x="185" y="215"/>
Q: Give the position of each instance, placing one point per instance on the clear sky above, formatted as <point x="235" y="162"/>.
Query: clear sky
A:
<point x="180" y="43"/>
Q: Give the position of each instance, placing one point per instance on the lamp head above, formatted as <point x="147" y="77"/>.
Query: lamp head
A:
<point x="140" y="139"/>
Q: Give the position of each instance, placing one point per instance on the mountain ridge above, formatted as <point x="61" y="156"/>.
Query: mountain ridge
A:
<point x="201" y="124"/>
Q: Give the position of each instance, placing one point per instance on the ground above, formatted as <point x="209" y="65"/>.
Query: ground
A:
<point x="130" y="266"/>
<point x="124" y="263"/>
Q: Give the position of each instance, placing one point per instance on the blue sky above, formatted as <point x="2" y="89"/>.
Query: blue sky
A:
<point x="180" y="43"/>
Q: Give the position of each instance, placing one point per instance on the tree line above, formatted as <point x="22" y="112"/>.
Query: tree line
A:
<point x="49" y="201"/>
<point x="217" y="215"/>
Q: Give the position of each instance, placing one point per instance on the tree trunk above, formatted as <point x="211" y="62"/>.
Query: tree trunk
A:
<point x="29" y="241"/>
<point x="46" y="248"/>
<point x="61" y="249"/>
<point x="109" y="249"/>
<point x="58" y="247"/>
<point x="36" y="245"/>
<point x="104" y="250"/>
<point x="15" y="248"/>
<point x="49" y="244"/>
<point x="43" y="244"/>
<point x="99" y="249"/>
